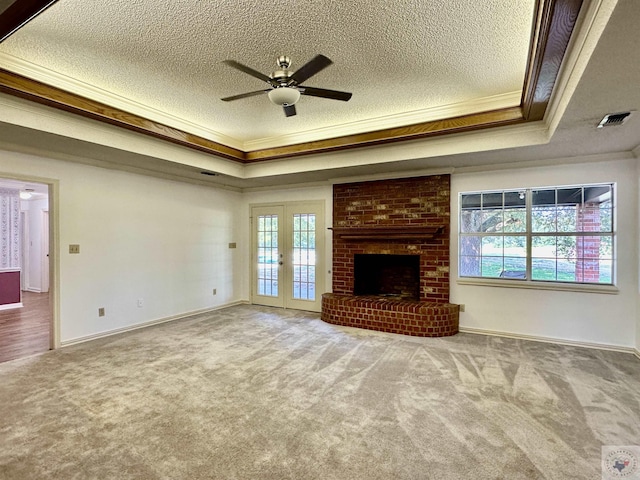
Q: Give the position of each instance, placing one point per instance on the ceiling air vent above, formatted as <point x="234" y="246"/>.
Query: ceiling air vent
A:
<point x="614" y="119"/>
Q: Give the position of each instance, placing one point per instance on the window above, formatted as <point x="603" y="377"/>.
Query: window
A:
<point x="551" y="234"/>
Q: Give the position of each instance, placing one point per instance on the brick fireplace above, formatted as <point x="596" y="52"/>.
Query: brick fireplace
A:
<point x="404" y="217"/>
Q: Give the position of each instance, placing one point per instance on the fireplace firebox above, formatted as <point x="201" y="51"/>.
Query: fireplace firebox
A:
<point x="387" y="275"/>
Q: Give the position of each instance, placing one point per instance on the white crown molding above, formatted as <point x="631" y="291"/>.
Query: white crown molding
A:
<point x="49" y="77"/>
<point x="485" y="104"/>
<point x="28" y="114"/>
<point x="533" y="133"/>
<point x="72" y="85"/>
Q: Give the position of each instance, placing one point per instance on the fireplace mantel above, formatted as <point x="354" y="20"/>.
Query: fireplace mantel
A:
<point x="387" y="233"/>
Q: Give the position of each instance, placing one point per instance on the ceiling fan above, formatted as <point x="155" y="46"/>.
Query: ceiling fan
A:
<point x="285" y="86"/>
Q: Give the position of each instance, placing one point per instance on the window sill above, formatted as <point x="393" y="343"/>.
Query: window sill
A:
<point x="555" y="286"/>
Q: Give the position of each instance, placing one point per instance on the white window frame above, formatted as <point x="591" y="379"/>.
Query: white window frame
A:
<point x="528" y="234"/>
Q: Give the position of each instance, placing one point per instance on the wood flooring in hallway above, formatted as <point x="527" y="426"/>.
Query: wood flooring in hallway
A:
<point x="26" y="331"/>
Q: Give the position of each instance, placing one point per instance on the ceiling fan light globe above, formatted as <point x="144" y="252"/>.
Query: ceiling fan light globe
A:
<point x="284" y="96"/>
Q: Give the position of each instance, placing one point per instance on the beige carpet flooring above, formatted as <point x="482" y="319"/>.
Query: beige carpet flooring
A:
<point x="259" y="393"/>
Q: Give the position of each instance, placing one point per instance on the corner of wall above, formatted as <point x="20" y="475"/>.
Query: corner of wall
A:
<point x="636" y="152"/>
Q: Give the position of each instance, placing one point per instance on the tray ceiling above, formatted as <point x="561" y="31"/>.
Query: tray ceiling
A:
<point x="405" y="61"/>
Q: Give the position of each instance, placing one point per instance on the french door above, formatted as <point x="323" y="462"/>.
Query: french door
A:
<point x="288" y="255"/>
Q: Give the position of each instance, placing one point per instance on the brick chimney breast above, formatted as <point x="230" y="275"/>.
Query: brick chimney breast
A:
<point x="408" y="216"/>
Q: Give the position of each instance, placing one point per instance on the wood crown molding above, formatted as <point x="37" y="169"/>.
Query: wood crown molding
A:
<point x="553" y="25"/>
<point x="23" y="87"/>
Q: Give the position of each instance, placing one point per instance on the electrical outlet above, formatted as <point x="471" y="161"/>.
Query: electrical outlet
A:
<point x="75" y="248"/>
<point x="101" y="312"/>
<point x="232" y="245"/>
<point x="140" y="302"/>
<point x="215" y="291"/>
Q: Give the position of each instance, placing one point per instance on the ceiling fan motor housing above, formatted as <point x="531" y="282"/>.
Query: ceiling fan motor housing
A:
<point x="284" y="62"/>
<point x="281" y="77"/>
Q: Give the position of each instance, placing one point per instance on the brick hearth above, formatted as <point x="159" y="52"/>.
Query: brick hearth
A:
<point x="408" y="216"/>
<point x="421" y="319"/>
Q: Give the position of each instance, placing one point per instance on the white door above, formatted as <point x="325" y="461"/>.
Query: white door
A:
<point x="288" y="247"/>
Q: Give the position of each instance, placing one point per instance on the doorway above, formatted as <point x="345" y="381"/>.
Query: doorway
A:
<point x="288" y="255"/>
<point x="28" y="327"/>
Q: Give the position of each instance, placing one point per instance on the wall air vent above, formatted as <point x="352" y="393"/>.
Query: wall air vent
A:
<point x="210" y="174"/>
<point x="614" y="119"/>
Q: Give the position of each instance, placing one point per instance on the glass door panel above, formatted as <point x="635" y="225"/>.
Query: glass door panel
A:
<point x="267" y="256"/>
<point x="304" y="256"/>
<point x="288" y="250"/>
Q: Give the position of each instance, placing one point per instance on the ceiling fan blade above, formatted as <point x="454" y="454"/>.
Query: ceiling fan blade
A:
<point x="324" y="93"/>
<point x="309" y="69"/>
<point x="248" y="70"/>
<point x="289" y="110"/>
<point x="244" y="95"/>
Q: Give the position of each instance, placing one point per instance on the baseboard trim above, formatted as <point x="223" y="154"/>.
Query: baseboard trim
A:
<point x="138" y="326"/>
<point x="32" y="290"/>
<point x="557" y="341"/>
<point x="636" y="352"/>
<point x="10" y="306"/>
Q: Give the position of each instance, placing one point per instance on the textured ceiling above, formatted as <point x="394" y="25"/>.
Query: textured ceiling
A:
<point x="395" y="56"/>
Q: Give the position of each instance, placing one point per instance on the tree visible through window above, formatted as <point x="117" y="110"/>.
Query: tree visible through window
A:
<point x="559" y="234"/>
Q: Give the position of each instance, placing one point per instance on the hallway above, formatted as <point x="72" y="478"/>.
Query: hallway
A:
<point x="26" y="331"/>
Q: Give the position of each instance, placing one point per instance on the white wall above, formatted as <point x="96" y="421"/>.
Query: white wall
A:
<point x="167" y="242"/>
<point x="575" y="316"/>
<point x="299" y="194"/>
<point x="139" y="237"/>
